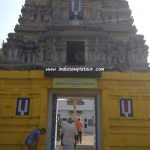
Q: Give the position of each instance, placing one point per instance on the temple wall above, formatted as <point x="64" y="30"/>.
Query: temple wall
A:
<point x="126" y="133"/>
<point x="14" y="129"/>
<point x="118" y="132"/>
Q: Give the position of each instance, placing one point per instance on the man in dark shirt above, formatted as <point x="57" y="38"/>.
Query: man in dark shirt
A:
<point x="33" y="138"/>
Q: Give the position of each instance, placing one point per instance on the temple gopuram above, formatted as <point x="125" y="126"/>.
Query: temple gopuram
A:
<point x="75" y="32"/>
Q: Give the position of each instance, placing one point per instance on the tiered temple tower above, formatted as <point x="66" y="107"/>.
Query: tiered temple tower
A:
<point x="75" y="32"/>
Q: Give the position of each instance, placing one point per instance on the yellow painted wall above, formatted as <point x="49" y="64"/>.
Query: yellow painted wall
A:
<point x="118" y="133"/>
<point x="121" y="133"/>
<point x="14" y="129"/>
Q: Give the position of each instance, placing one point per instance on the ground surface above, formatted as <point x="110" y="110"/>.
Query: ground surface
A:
<point x="87" y="143"/>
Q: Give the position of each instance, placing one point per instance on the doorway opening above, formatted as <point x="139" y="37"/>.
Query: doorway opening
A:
<point x="75" y="53"/>
<point x="75" y="106"/>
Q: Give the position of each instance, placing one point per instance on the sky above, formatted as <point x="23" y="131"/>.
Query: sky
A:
<point x="9" y="14"/>
<point x="11" y="9"/>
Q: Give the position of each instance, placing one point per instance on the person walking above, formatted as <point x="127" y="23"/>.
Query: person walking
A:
<point x="79" y="126"/>
<point x="32" y="139"/>
<point x="69" y="135"/>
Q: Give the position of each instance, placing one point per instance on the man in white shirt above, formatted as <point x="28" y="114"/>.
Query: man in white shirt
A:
<point x="70" y="134"/>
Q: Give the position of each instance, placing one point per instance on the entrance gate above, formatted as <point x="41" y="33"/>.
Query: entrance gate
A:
<point x="52" y="125"/>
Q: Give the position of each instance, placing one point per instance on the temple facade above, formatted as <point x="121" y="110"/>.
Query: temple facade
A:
<point x="75" y="49"/>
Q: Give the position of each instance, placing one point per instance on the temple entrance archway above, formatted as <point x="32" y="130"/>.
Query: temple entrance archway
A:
<point x="83" y="104"/>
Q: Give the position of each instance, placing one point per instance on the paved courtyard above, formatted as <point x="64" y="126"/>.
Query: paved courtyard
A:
<point x="87" y="143"/>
